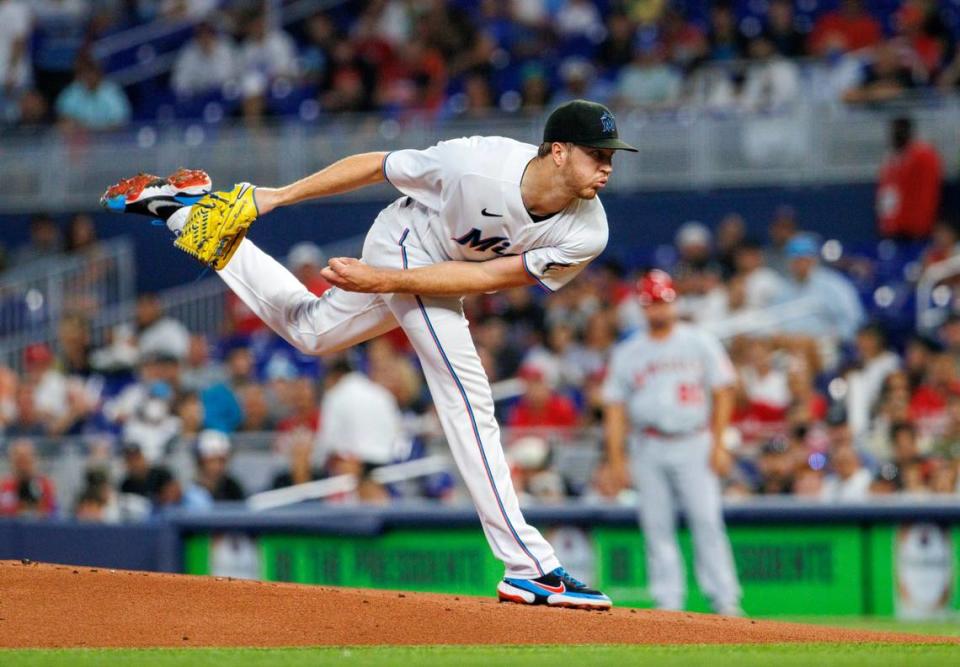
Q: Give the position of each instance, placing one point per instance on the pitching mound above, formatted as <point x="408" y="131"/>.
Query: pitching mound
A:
<point x="67" y="606"/>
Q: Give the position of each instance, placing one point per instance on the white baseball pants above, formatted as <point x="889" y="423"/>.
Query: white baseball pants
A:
<point x="439" y="332"/>
<point x="669" y="472"/>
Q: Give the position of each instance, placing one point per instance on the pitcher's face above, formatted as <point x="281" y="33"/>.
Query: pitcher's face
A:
<point x="586" y="170"/>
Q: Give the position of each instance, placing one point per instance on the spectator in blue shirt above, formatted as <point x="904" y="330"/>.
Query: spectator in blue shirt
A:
<point x="169" y="495"/>
<point x="91" y="102"/>
<point x="828" y="307"/>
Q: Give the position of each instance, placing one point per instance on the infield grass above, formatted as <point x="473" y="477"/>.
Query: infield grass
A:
<point x="781" y="655"/>
<point x="776" y="655"/>
<point x="941" y="628"/>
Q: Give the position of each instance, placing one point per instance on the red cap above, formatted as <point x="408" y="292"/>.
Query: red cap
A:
<point x="531" y="373"/>
<point x="37" y="353"/>
<point x="656" y="287"/>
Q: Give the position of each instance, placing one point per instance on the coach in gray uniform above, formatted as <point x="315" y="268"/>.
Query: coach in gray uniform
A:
<point x="673" y="386"/>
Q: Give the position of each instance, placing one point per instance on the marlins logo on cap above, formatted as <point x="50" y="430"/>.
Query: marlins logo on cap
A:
<point x="607" y="122"/>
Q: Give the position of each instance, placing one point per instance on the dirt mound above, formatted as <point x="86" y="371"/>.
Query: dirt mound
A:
<point x="64" y="606"/>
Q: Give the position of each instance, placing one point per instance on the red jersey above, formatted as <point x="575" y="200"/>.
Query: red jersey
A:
<point x="558" y="411"/>
<point x="817" y="407"/>
<point x="908" y="192"/>
<point x="929" y="401"/>
<point x="929" y="50"/>
<point x="308" y="422"/>
<point x="852" y="32"/>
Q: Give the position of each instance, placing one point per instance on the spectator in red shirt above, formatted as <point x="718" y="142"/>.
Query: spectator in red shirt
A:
<point x="851" y="27"/>
<point x="908" y="190"/>
<point x="929" y="400"/>
<point x="683" y="42"/>
<point x="414" y="79"/>
<point x="25" y="491"/>
<point x="928" y="49"/>
<point x="540" y="406"/>
<point x="763" y="385"/>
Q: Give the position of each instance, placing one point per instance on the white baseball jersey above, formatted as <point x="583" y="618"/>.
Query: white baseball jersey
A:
<point x="462" y="202"/>
<point x="666" y="383"/>
<point x="471" y="188"/>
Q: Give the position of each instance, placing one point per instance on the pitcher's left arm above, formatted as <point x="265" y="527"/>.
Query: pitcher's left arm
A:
<point x="451" y="278"/>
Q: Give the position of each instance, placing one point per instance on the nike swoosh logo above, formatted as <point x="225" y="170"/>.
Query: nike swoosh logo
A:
<point x="484" y="212"/>
<point x="562" y="588"/>
<point x="555" y="265"/>
<point x="155" y="206"/>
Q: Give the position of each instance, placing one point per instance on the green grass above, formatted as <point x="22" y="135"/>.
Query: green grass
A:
<point x="780" y="655"/>
<point x="941" y="628"/>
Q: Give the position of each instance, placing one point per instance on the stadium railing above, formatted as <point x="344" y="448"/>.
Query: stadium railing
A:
<point x="808" y="143"/>
<point x="34" y="297"/>
<point x="256" y="457"/>
<point x="763" y="321"/>
<point x="32" y="301"/>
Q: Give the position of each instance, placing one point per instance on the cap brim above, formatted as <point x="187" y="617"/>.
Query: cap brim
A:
<point x="615" y="144"/>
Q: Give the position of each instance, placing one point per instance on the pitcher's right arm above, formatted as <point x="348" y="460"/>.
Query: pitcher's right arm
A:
<point x="350" y="173"/>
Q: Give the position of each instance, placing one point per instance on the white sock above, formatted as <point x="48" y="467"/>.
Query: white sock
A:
<point x="176" y="221"/>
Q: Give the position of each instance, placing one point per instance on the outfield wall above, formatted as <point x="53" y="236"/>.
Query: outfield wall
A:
<point x="792" y="559"/>
<point x="883" y="559"/>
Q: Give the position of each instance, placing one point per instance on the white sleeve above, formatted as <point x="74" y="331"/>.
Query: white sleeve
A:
<point x="719" y="369"/>
<point x="424" y="174"/>
<point x="554" y="266"/>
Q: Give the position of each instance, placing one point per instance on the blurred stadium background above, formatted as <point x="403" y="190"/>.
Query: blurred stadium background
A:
<point x="141" y="405"/>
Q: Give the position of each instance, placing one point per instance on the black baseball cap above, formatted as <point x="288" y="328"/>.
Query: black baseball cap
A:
<point x="585" y="124"/>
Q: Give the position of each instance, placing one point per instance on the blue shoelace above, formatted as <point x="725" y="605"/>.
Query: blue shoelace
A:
<point x="568" y="579"/>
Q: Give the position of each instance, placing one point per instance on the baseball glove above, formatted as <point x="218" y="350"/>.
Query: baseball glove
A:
<point x="217" y="224"/>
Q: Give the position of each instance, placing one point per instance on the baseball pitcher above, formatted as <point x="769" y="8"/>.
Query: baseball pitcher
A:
<point x="477" y="214"/>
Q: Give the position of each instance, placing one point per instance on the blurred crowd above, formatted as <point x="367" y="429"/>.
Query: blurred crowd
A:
<point x="155" y="413"/>
<point x="829" y="404"/>
<point x="833" y="401"/>
<point x="432" y="58"/>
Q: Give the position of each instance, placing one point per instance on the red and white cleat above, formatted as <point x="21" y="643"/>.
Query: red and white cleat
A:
<point x="154" y="196"/>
